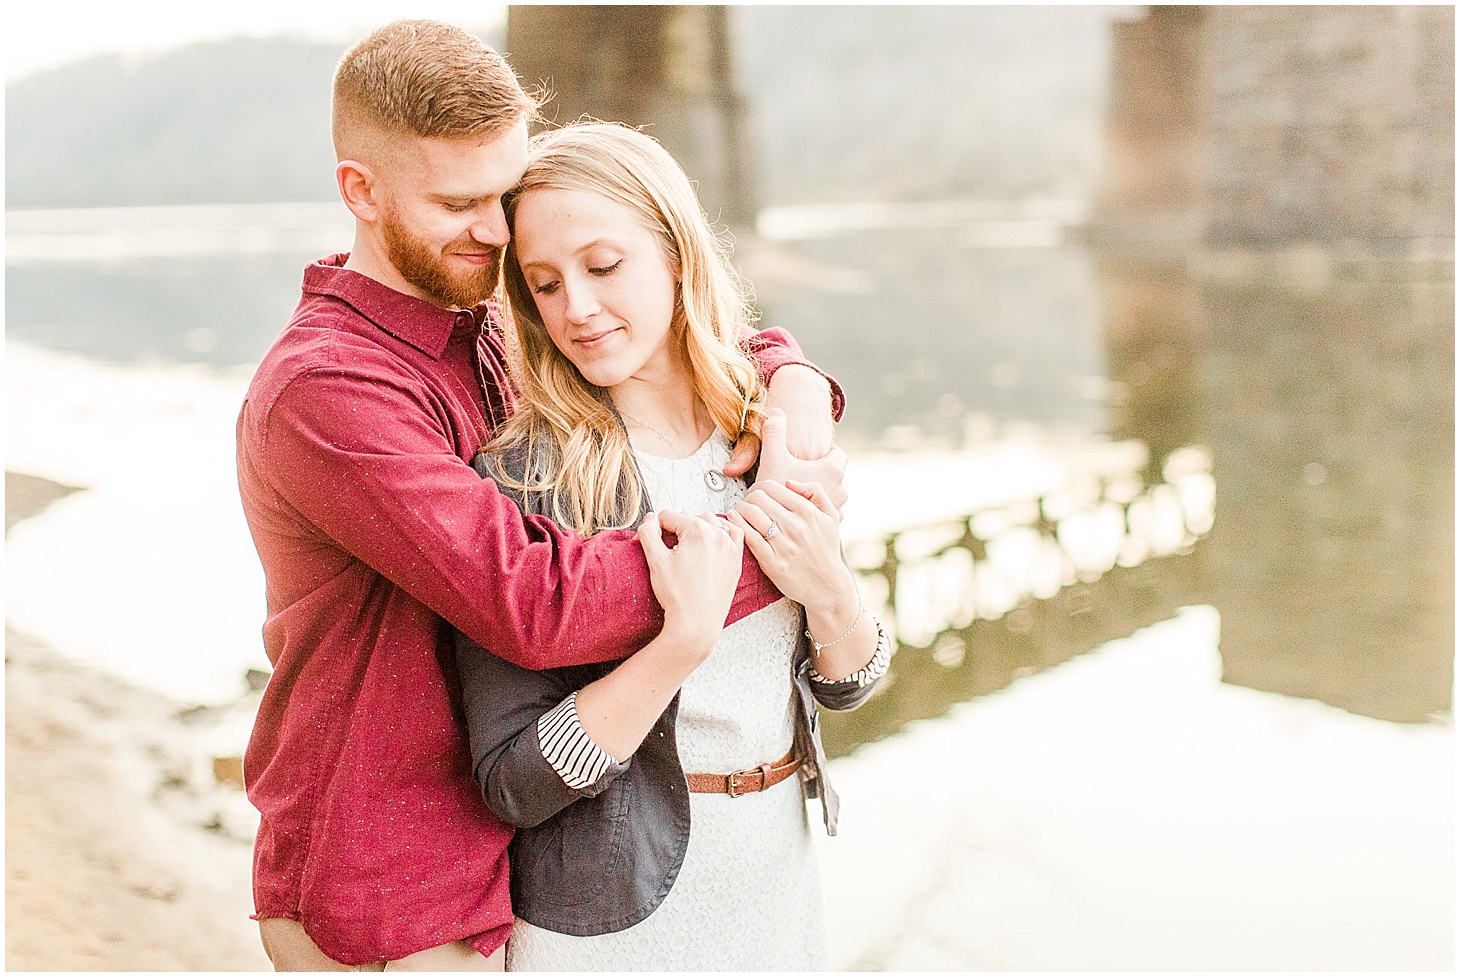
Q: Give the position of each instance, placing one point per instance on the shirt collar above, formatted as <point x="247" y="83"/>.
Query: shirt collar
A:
<point x="425" y="326"/>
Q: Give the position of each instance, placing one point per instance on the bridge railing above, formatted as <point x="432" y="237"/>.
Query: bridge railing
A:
<point x="976" y="602"/>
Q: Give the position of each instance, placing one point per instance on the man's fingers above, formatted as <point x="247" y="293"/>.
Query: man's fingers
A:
<point x="747" y="449"/>
<point x="832" y="473"/>
<point x="775" y="460"/>
<point x="804" y="394"/>
<point x="773" y="433"/>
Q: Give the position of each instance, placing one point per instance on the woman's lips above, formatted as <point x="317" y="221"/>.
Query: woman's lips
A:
<point x="595" y="340"/>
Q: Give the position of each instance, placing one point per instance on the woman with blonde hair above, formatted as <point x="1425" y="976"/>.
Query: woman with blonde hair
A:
<point x="660" y="800"/>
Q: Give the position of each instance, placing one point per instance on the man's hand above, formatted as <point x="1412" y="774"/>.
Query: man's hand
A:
<point x="778" y="464"/>
<point x="804" y="397"/>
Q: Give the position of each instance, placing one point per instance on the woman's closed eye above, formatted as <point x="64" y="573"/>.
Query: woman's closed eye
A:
<point x="551" y="286"/>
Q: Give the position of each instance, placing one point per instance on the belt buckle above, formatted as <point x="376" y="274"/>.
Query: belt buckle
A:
<point x="765" y="779"/>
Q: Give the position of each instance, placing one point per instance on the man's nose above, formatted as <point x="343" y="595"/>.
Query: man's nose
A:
<point x="491" y="227"/>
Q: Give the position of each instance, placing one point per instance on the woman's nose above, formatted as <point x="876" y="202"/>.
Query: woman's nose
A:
<point x="581" y="303"/>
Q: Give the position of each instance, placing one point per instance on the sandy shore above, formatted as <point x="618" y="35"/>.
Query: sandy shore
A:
<point x="122" y="851"/>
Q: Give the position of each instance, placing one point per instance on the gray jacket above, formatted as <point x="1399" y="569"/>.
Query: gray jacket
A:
<point x="602" y="858"/>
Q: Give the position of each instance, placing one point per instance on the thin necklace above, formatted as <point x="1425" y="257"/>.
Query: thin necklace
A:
<point x="713" y="478"/>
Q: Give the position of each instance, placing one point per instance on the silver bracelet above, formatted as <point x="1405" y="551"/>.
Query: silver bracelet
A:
<point x="816" y="646"/>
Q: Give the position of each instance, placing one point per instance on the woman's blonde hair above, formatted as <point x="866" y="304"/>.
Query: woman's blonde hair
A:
<point x="576" y="448"/>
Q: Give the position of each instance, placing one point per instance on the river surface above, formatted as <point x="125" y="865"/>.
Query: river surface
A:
<point x="990" y="368"/>
<point x="1168" y="550"/>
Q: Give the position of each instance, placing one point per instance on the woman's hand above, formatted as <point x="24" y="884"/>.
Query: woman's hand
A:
<point x="791" y="530"/>
<point x="695" y="579"/>
<point x="802" y="553"/>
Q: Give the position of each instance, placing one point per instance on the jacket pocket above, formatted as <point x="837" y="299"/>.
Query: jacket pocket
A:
<point x="566" y="861"/>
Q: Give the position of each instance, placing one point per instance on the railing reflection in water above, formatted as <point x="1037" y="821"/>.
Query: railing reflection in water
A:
<point x="977" y="603"/>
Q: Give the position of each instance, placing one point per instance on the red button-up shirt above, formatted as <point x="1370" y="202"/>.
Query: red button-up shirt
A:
<point x="354" y="446"/>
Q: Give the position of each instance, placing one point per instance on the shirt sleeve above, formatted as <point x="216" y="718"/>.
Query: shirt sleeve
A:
<point x="775" y="348"/>
<point x="504" y="707"/>
<point x="363" y="455"/>
<point x="869" y="673"/>
<point x="569" y="748"/>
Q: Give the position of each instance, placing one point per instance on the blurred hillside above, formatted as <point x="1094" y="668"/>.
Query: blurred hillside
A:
<point x="243" y="120"/>
<point x="845" y="104"/>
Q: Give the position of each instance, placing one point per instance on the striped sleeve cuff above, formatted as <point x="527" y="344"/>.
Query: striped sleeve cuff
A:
<point x="576" y="758"/>
<point x="870" y="672"/>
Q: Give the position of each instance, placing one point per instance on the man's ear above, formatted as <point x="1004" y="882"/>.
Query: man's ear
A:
<point x="359" y="188"/>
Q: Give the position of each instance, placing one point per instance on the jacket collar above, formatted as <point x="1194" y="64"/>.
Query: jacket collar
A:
<point x="425" y="326"/>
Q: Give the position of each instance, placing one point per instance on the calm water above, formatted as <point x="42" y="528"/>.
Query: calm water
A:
<point x="1324" y="413"/>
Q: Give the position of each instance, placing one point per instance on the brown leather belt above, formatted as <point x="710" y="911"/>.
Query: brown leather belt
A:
<point x="744" y="781"/>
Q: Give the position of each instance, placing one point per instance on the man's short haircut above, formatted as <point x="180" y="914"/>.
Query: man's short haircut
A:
<point x="425" y="79"/>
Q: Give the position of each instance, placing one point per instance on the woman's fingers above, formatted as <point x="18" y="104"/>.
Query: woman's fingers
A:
<point x="720" y="528"/>
<point x="753" y="523"/>
<point x="788" y="499"/>
<point x="651" y="538"/>
<point x="813" y="492"/>
<point x="700" y="533"/>
<point x="753" y="516"/>
<point x="767" y="503"/>
<point x="754" y="540"/>
<point x="737" y="534"/>
<point x="674" y="522"/>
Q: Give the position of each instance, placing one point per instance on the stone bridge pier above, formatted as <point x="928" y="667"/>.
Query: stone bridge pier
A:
<point x="666" y="68"/>
<point x="1276" y="231"/>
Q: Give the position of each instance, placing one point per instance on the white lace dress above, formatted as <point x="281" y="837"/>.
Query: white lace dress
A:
<point x="748" y="896"/>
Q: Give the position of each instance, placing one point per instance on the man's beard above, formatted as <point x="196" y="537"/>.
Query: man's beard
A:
<point x="430" y="272"/>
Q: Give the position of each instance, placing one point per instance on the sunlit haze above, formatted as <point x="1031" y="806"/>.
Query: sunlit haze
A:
<point x="39" y="36"/>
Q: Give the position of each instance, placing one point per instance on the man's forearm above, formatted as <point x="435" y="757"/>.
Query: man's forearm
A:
<point x="805" y="396"/>
<point x="774" y="349"/>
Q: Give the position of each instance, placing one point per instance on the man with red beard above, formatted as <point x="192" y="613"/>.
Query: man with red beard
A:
<point x="374" y="849"/>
